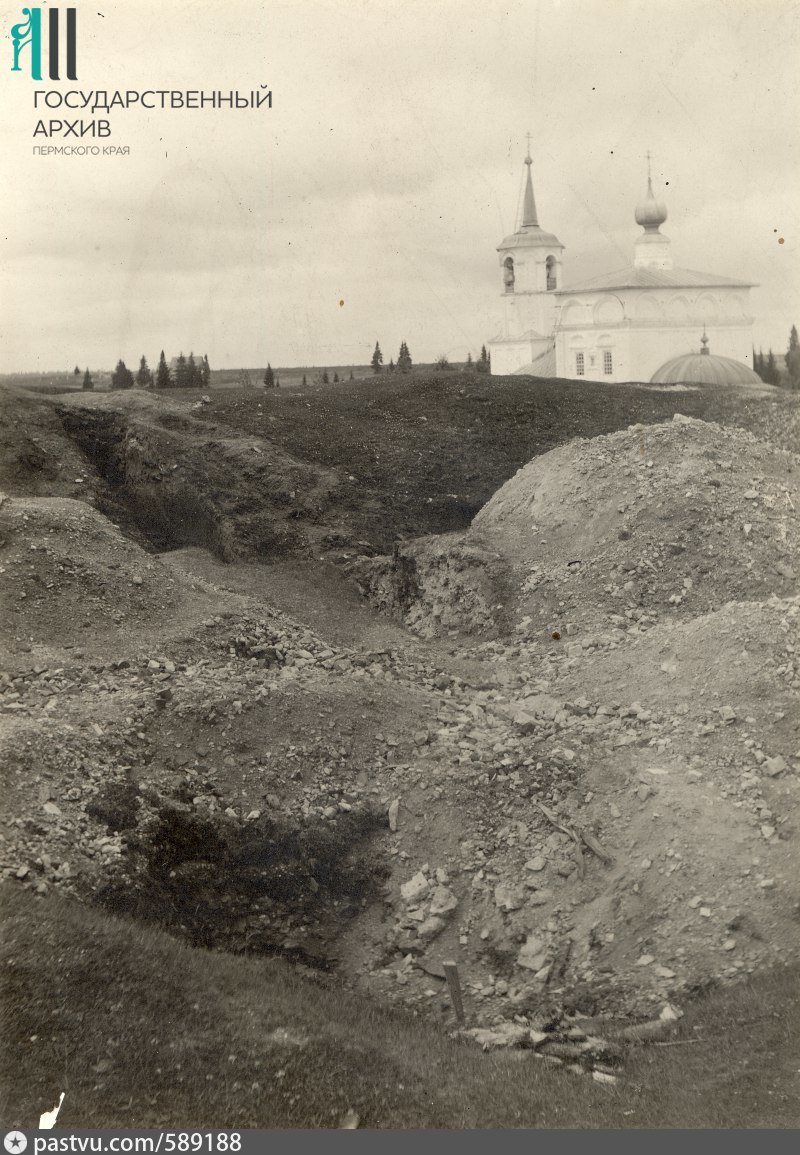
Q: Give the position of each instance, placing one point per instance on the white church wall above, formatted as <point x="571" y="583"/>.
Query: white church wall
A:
<point x="605" y="354"/>
<point x="643" y="328"/>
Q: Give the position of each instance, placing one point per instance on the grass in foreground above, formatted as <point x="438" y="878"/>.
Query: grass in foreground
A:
<point x="140" y="1030"/>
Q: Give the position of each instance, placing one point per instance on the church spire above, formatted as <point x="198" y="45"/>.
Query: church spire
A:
<point x="529" y="218"/>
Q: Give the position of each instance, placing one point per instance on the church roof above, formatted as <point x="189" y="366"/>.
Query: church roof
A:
<point x="543" y="366"/>
<point x="528" y="335"/>
<point x="529" y="235"/>
<point x="530" y="238"/>
<point x="705" y="368"/>
<point x="634" y="277"/>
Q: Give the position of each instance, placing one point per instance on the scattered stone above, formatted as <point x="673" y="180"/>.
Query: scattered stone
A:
<point x="430" y="928"/>
<point x="509" y="897"/>
<point x="443" y="901"/>
<point x="533" y="953"/>
<point x="415" y="888"/>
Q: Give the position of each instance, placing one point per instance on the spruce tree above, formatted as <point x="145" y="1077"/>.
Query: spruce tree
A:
<point x="205" y="372"/>
<point x="377" y="359"/>
<point x="163" y="376"/>
<point x="269" y="377"/>
<point x="336" y="378"/>
<point x="325" y="378"/>
<point x="483" y="361"/>
<point x="305" y="382"/>
<point x="122" y="378"/>
<point x="404" y="358"/>
<point x="76" y="372"/>
<point x="181" y="376"/>
<point x="793" y="360"/>
<point x="470" y="363"/>
<point x="144" y="378"/>
<point x="352" y="378"/>
<point x="771" y="374"/>
<point x="88" y="383"/>
<point x="192" y="373"/>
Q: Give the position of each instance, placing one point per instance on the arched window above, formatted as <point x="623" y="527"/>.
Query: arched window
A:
<point x="508" y="274"/>
<point x="550" y="265"/>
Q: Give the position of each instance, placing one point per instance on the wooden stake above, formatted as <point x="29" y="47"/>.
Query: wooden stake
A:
<point x="454" y="986"/>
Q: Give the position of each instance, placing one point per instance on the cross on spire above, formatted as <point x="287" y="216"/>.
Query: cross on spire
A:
<point x="649" y="173"/>
<point x="529" y="204"/>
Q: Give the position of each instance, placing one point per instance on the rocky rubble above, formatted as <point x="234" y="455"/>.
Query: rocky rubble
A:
<point x="601" y="536"/>
<point x="591" y="819"/>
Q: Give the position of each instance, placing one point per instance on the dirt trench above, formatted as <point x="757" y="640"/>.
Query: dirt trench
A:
<point x="171" y="481"/>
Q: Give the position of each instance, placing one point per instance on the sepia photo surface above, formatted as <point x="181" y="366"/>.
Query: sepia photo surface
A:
<point x="399" y="491"/>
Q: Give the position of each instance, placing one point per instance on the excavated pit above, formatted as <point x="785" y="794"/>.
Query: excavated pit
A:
<point x="172" y="481"/>
<point x="266" y="885"/>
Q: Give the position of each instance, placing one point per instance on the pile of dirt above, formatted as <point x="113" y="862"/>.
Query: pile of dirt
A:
<point x="37" y="456"/>
<point x="652" y="523"/>
<point x="69" y="574"/>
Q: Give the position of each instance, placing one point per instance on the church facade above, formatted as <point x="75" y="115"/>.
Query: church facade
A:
<point x="622" y="326"/>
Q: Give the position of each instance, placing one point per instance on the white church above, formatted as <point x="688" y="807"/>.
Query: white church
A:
<point x="635" y="324"/>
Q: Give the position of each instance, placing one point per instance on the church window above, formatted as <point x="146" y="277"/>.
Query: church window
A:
<point x="550" y="265"/>
<point x="608" y="362"/>
<point x="508" y="274"/>
<point x="579" y="364"/>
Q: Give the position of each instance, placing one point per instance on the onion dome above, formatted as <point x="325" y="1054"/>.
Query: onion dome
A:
<point x="705" y="368"/>
<point x="650" y="213"/>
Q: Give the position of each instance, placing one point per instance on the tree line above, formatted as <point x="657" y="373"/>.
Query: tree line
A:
<point x="767" y="367"/>
<point x="483" y="364"/>
<point x="187" y="373"/>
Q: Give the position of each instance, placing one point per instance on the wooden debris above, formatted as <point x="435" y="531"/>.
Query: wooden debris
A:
<point x="450" y="969"/>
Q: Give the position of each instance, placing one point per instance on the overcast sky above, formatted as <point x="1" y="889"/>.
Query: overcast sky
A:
<point x="388" y="170"/>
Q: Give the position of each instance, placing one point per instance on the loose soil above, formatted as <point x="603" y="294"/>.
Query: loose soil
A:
<point x="562" y="742"/>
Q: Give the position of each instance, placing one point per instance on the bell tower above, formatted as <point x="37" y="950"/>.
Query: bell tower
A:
<point x="530" y="263"/>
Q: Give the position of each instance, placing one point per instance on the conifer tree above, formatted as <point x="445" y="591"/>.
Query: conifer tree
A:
<point x="163" y="376"/>
<point x="771" y="374"/>
<point x="144" y="378"/>
<point x="483" y="361"/>
<point x="377" y="359"/>
<point x="88" y="383"/>
<point x="76" y="372"/>
<point x="793" y="360"/>
<point x="352" y="378"/>
<point x="181" y="375"/>
<point x="205" y="372"/>
<point x="470" y="363"/>
<point x="335" y="378"/>
<point x="269" y="377"/>
<point x="325" y="378"/>
<point x="193" y="377"/>
<point x="391" y="365"/>
<point x="404" y="358"/>
<point x="305" y="382"/>
<point x="122" y="378"/>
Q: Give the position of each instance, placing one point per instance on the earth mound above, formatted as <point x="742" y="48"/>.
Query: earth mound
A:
<point x="68" y="573"/>
<point x="653" y="523"/>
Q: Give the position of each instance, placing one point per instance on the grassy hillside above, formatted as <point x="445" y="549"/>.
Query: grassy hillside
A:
<point x="138" y="1029"/>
